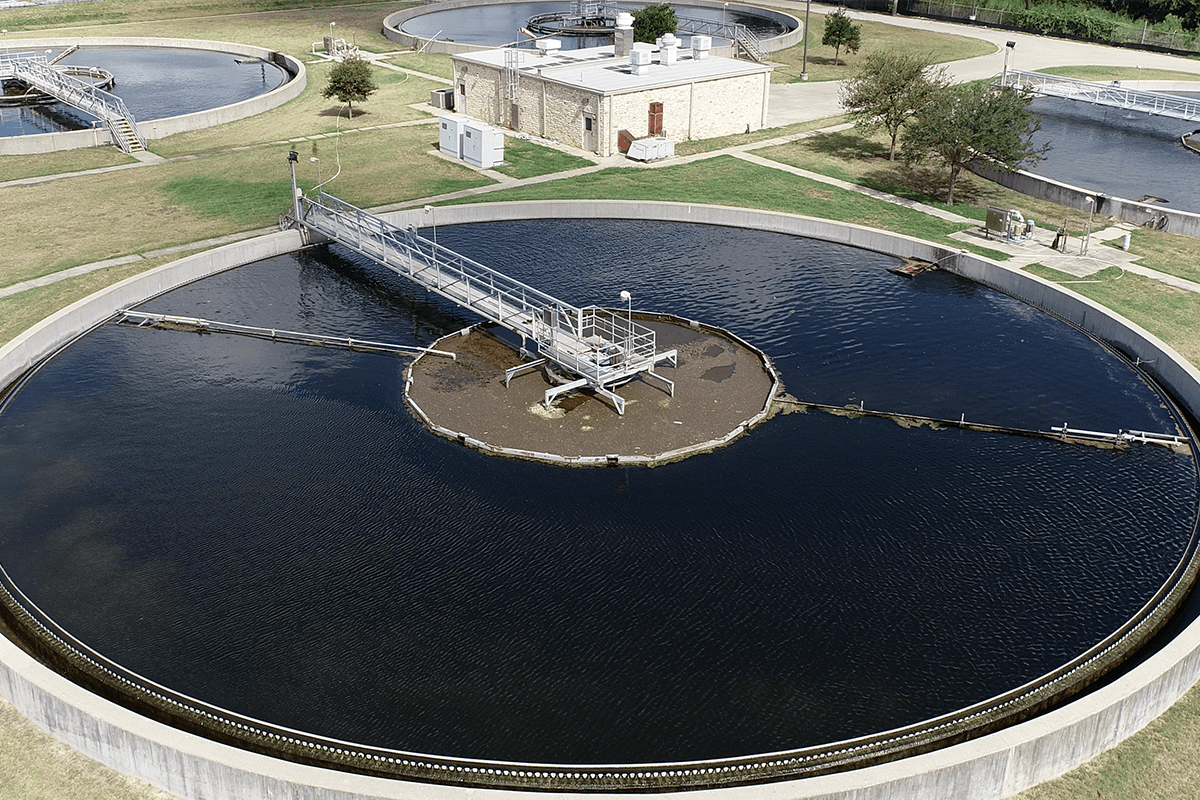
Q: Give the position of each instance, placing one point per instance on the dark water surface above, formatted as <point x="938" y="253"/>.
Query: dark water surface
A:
<point x="1118" y="152"/>
<point x="153" y="83"/>
<point x="265" y="527"/>
<point x="498" y="24"/>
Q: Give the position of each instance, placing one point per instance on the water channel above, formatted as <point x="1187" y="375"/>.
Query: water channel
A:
<point x="266" y="528"/>
<point x="1118" y="152"/>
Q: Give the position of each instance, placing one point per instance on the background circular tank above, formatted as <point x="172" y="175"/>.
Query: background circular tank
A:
<point x="463" y="25"/>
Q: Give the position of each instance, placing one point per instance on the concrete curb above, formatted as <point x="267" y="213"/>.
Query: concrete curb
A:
<point x="990" y="767"/>
<point x="161" y="128"/>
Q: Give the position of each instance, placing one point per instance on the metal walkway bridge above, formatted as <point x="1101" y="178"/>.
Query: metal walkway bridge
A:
<point x="34" y="70"/>
<point x="587" y="14"/>
<point x="598" y="348"/>
<point x="1105" y="94"/>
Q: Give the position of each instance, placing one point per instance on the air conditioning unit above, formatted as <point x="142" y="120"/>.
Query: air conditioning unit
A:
<point x="442" y="98"/>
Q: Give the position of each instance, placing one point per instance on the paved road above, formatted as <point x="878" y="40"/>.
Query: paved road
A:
<point x="801" y="102"/>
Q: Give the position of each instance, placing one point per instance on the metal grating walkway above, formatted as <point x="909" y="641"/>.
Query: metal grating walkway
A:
<point x="599" y="347"/>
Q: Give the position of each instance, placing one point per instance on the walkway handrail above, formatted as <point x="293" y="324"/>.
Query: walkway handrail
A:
<point x="33" y="69"/>
<point x="594" y="343"/>
<point x="1107" y="94"/>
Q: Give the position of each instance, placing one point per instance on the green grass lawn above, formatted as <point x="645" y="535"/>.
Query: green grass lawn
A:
<point x="309" y="114"/>
<point x="861" y="158"/>
<point x="32" y="166"/>
<point x="1100" y="73"/>
<point x="1167" y="312"/>
<point x="184" y="201"/>
<point x="941" y="48"/>
<point x="729" y="181"/>
<point x="528" y="159"/>
<point x="721" y="142"/>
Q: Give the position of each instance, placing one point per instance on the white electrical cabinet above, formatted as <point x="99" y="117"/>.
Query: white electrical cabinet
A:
<point x="450" y="135"/>
<point x="482" y="145"/>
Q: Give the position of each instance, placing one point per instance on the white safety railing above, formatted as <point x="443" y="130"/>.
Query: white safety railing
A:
<point x="1113" y="94"/>
<point x="585" y="11"/>
<point x="602" y="347"/>
<point x="33" y="69"/>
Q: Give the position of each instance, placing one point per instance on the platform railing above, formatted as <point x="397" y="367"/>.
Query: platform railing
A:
<point x="1113" y="94"/>
<point x="591" y="342"/>
<point x="583" y="12"/>
<point x="34" y="69"/>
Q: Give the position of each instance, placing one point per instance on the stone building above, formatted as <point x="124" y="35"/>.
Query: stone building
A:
<point x="584" y="98"/>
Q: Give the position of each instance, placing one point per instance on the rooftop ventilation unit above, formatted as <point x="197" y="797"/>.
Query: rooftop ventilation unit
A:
<point x="639" y="59"/>
<point x="700" y="46"/>
<point x="668" y="50"/>
<point x="623" y="35"/>
<point x="545" y="46"/>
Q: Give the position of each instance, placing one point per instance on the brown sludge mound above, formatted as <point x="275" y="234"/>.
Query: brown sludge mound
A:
<point x="719" y="384"/>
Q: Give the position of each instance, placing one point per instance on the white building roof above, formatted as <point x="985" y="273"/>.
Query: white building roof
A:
<point x="598" y="70"/>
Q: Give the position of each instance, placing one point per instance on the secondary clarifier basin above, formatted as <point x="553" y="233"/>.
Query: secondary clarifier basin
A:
<point x="992" y="765"/>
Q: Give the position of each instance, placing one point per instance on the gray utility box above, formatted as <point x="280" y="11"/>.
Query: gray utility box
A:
<point x="482" y="145"/>
<point x="450" y="135"/>
<point x="442" y="98"/>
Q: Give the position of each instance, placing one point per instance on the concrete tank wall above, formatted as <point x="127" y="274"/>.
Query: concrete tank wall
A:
<point x="1183" y="222"/>
<point x="988" y="768"/>
<point x="161" y="128"/>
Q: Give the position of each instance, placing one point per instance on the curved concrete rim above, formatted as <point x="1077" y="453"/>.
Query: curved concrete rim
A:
<point x="160" y="128"/>
<point x="990" y="767"/>
<point x="393" y="24"/>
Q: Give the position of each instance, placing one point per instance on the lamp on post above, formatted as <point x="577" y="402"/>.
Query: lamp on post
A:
<point x="293" y="157"/>
<point x="804" y="66"/>
<point x="6" y="42"/>
<point x="317" y="161"/>
<point x="1009" y="47"/>
<point x="628" y="298"/>
<point x="433" y="219"/>
<point x="724" y="12"/>
<point x="1083" y="247"/>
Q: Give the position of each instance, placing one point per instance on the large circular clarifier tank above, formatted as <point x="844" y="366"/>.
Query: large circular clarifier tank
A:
<point x="263" y="527"/>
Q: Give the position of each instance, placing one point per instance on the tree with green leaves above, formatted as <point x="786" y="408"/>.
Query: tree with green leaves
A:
<point x="841" y="32"/>
<point x="889" y="89"/>
<point x="350" y="81"/>
<point x="964" y="123"/>
<point x="653" y="21"/>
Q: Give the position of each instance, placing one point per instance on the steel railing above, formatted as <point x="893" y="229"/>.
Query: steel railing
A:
<point x="33" y="69"/>
<point x="1114" y="94"/>
<point x="594" y="343"/>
